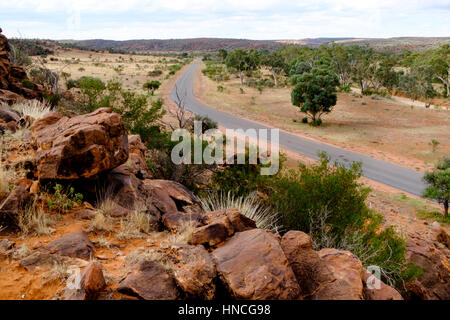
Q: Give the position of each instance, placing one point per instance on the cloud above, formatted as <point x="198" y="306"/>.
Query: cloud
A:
<point x="256" y="19"/>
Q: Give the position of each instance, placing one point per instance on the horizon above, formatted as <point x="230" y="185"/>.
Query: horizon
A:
<point x="230" y="19"/>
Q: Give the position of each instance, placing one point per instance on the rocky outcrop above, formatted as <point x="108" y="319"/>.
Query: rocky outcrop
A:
<point x="383" y="292"/>
<point x="311" y="272"/>
<point x="252" y="265"/>
<point x="13" y="205"/>
<point x="12" y="78"/>
<point x="433" y="260"/>
<point x="79" y="147"/>
<point x="220" y="225"/>
<point x="194" y="271"/>
<point x="348" y="273"/>
<point x="149" y="280"/>
<point x="92" y="282"/>
<point x="75" y="245"/>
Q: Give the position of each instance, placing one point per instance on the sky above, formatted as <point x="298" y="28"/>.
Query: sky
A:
<point x="249" y="19"/>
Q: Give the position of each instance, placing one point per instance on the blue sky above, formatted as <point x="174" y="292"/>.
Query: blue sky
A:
<point x="251" y="19"/>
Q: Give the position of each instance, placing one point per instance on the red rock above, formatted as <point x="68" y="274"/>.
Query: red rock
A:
<point x="309" y="269"/>
<point x="348" y="271"/>
<point x="79" y="147"/>
<point x="252" y="265"/>
<point x="175" y="220"/>
<point x="75" y="245"/>
<point x="194" y="271"/>
<point x="11" y="207"/>
<point x="149" y="281"/>
<point x="385" y="292"/>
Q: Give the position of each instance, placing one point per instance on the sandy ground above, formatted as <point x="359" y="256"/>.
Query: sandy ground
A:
<point x="383" y="129"/>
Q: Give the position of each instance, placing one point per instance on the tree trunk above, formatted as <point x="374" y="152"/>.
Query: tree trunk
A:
<point x="241" y="76"/>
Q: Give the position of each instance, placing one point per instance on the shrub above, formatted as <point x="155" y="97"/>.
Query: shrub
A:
<point x="139" y="118"/>
<point x="155" y="73"/>
<point x="305" y="120"/>
<point x="296" y="194"/>
<point x="72" y="84"/>
<point x="220" y="88"/>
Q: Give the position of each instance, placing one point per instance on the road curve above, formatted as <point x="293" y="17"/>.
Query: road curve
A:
<point x="387" y="173"/>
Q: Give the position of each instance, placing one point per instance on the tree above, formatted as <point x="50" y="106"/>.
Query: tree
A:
<point x="242" y="61"/>
<point x="439" y="184"/>
<point x="315" y="93"/>
<point x="440" y="62"/>
<point x="223" y="54"/>
<point x="92" y="89"/>
<point x="275" y="62"/>
<point x="151" y="86"/>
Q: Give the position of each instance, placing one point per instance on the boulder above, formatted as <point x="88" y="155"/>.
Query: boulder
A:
<point x="149" y="280"/>
<point x="194" y="271"/>
<point x="214" y="233"/>
<point x="11" y="207"/>
<point x="252" y="265"/>
<point x="79" y="147"/>
<point x="238" y="221"/>
<point x="176" y="191"/>
<point x="175" y="220"/>
<point x="130" y="192"/>
<point x="433" y="260"/>
<point x="309" y="269"/>
<point x="75" y="245"/>
<point x="220" y="225"/>
<point x="92" y="282"/>
<point x="348" y="271"/>
<point x="384" y="292"/>
<point x="9" y="115"/>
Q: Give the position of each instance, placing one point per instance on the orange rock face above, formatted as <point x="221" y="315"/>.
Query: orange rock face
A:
<point x="79" y="147"/>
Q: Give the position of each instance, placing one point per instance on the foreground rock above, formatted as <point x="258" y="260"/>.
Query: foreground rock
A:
<point x="252" y="265"/>
<point x="194" y="271"/>
<point x="433" y="260"/>
<point x="91" y="284"/>
<point x="79" y="147"/>
<point x="75" y="245"/>
<point x="310" y="270"/>
<point x="348" y="272"/>
<point x="384" y="292"/>
<point x="149" y="281"/>
<point x="13" y="205"/>
<point x="220" y="225"/>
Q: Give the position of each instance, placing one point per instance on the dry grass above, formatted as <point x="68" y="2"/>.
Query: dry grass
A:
<point x="33" y="108"/>
<point x="101" y="223"/>
<point x="183" y="236"/>
<point x="141" y="255"/>
<point x="250" y="206"/>
<point x="135" y="226"/>
<point x="21" y="252"/>
<point x="33" y="221"/>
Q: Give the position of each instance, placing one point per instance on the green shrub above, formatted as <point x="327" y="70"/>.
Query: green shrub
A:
<point x="297" y="193"/>
<point x="305" y="120"/>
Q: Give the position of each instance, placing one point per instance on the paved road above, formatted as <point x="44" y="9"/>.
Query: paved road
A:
<point x="390" y="174"/>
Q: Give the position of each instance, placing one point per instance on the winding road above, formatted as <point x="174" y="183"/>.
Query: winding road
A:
<point x="387" y="173"/>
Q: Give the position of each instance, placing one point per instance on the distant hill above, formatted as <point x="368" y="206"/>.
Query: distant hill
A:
<point x="179" y="45"/>
<point x="214" y="44"/>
